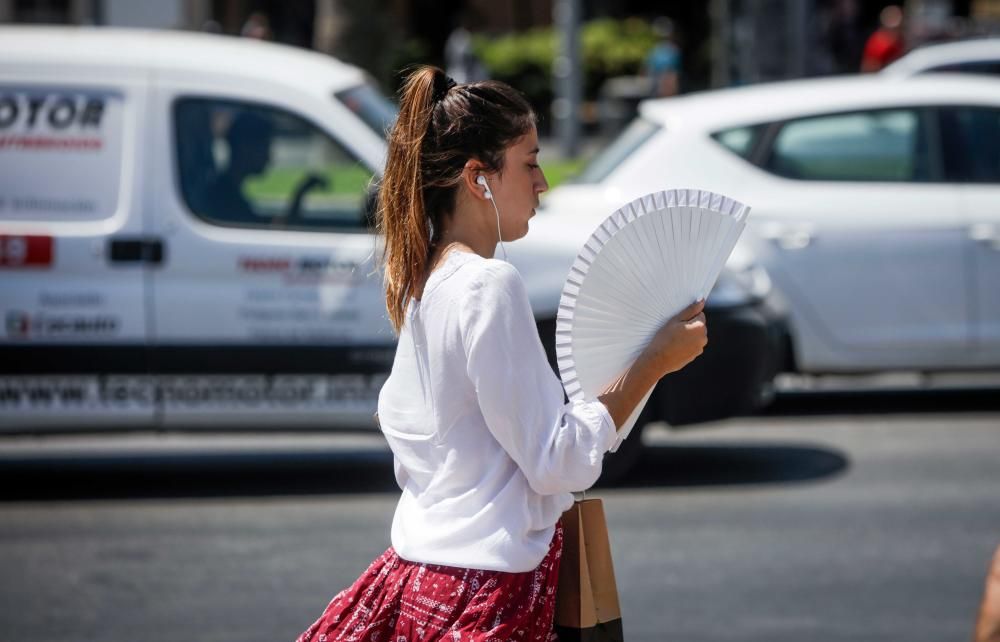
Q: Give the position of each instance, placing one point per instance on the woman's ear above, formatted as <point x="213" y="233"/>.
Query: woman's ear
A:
<point x="470" y="174"/>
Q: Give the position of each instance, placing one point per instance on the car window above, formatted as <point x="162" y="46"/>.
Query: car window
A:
<point x="740" y="140"/>
<point x="374" y="109"/>
<point x="635" y="135"/>
<point x="989" y="67"/>
<point x="971" y="142"/>
<point x="884" y="145"/>
<point x="250" y="165"/>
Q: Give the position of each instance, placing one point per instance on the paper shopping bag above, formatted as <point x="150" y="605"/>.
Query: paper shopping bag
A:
<point x="587" y="607"/>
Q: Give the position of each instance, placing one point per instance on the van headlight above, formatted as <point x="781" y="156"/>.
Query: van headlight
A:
<point x="740" y="286"/>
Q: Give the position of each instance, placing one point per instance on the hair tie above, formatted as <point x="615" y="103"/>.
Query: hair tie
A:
<point x="442" y="86"/>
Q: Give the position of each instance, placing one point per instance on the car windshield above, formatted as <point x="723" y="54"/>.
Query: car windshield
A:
<point x="634" y="136"/>
<point x="374" y="109"/>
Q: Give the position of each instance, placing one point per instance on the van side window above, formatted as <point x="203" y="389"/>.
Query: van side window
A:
<point x="251" y="166"/>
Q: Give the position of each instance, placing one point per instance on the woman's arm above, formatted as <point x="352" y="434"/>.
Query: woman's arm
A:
<point x="675" y="345"/>
<point x="558" y="446"/>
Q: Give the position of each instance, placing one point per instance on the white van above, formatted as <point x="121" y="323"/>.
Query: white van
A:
<point x="185" y="238"/>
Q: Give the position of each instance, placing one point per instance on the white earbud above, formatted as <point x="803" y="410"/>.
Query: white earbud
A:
<point x="481" y="180"/>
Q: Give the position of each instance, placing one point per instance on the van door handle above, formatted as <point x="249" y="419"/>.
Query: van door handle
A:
<point x="135" y="250"/>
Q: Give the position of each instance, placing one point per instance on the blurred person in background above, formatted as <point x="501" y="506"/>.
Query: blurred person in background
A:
<point x="249" y="139"/>
<point x="663" y="63"/>
<point x="461" y="61"/>
<point x="886" y="44"/>
<point x="257" y="26"/>
<point x="842" y="34"/>
<point x="988" y="623"/>
<point x="486" y="450"/>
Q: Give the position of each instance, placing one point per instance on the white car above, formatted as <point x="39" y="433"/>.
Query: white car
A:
<point x="876" y="207"/>
<point x="979" y="56"/>
<point x="185" y="241"/>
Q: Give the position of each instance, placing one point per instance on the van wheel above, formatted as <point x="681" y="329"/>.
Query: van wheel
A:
<point x="619" y="464"/>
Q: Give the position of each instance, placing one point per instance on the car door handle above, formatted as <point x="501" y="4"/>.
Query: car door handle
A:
<point x="985" y="233"/>
<point x="787" y="237"/>
<point x="135" y="250"/>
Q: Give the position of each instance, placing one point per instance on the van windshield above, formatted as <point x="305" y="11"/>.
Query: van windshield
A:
<point x="374" y="109"/>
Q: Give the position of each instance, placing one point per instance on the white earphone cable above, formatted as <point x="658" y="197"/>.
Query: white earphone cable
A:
<point x="481" y="180"/>
<point x="499" y="235"/>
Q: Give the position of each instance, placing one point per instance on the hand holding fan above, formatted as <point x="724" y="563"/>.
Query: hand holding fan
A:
<point x="645" y="263"/>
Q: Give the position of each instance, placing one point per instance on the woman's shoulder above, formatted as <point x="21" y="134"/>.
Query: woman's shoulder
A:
<point x="464" y="270"/>
<point x="465" y="277"/>
<point x="491" y="276"/>
<point x="474" y="283"/>
<point x="494" y="268"/>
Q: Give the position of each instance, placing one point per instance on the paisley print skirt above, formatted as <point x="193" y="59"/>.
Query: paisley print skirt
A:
<point x="400" y="601"/>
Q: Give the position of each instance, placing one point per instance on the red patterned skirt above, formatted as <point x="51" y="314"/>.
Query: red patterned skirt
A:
<point x="400" y="601"/>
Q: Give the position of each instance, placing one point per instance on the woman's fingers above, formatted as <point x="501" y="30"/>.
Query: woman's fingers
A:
<point x="681" y="339"/>
<point x="693" y="310"/>
<point x="696" y="321"/>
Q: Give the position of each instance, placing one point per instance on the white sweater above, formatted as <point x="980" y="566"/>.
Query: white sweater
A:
<point x="486" y="452"/>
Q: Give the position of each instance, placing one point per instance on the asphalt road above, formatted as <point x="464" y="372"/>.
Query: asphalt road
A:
<point x="808" y="523"/>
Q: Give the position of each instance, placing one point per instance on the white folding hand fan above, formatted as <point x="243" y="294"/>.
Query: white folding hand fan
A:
<point x="645" y="263"/>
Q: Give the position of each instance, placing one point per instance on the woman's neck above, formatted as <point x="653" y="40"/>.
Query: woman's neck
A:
<point x="468" y="229"/>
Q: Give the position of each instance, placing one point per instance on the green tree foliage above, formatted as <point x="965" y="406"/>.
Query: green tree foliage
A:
<point x="608" y="47"/>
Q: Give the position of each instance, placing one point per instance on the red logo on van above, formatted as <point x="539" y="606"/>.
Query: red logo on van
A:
<point x="25" y="251"/>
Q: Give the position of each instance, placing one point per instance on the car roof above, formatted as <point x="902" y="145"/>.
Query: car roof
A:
<point x="184" y="51"/>
<point x="768" y="102"/>
<point x="948" y="53"/>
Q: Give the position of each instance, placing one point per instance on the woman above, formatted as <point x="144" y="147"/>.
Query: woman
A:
<point x="486" y="452"/>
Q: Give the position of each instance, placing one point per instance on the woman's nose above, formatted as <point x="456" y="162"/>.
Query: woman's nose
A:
<point x="542" y="185"/>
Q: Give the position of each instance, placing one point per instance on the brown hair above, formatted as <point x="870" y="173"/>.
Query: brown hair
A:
<point x="440" y="127"/>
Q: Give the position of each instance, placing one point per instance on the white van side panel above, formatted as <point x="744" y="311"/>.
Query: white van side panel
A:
<point x="72" y="289"/>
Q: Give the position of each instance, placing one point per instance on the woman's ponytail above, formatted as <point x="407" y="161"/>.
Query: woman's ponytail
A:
<point x="401" y="203"/>
<point x="440" y="126"/>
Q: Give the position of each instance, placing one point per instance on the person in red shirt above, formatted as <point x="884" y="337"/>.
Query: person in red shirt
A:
<point x="886" y="44"/>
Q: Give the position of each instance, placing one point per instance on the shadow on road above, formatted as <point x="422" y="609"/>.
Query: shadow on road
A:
<point x="196" y="475"/>
<point x="319" y="472"/>
<point x="733" y="464"/>
<point x="875" y="402"/>
<point x="357" y="472"/>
